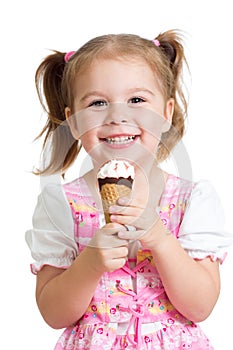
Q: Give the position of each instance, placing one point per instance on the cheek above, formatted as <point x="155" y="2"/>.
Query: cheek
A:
<point x="153" y="124"/>
<point x="89" y="140"/>
<point x="151" y="142"/>
<point x="84" y="123"/>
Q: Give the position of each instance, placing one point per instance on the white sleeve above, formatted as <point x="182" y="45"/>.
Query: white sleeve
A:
<point x="51" y="240"/>
<point x="202" y="232"/>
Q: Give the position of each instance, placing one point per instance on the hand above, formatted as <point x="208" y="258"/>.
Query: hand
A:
<point x="108" y="251"/>
<point x="143" y="217"/>
<point x="134" y="212"/>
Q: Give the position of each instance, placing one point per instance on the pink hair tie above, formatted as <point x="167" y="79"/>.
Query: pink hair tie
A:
<point x="68" y="55"/>
<point x="156" y="42"/>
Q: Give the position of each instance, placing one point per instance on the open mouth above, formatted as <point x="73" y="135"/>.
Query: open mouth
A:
<point x="120" y="140"/>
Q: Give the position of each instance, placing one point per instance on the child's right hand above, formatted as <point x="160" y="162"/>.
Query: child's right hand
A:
<point x="108" y="251"/>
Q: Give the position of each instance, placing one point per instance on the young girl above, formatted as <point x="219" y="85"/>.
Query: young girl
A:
<point x="144" y="280"/>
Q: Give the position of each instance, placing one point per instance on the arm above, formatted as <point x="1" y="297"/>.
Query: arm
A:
<point x="64" y="295"/>
<point x="192" y="286"/>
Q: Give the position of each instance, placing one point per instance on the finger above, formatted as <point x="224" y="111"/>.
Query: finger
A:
<point x="131" y="235"/>
<point x="124" y="201"/>
<point x="116" y="253"/>
<point x="143" y="220"/>
<point x="114" y="258"/>
<point x="112" y="228"/>
<point x="117" y="264"/>
<point x="123" y="220"/>
<point x="125" y="210"/>
<point x="134" y="203"/>
<point x="130" y="228"/>
<point x="137" y="221"/>
<point x="120" y="252"/>
<point x="105" y="241"/>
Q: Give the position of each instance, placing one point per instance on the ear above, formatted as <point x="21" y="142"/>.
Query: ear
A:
<point x="67" y="113"/>
<point x="71" y="121"/>
<point x="168" y="114"/>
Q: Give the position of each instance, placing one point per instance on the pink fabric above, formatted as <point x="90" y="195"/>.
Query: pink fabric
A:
<point x="115" y="299"/>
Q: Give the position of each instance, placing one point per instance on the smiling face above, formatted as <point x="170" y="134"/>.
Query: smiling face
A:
<point x="119" y="109"/>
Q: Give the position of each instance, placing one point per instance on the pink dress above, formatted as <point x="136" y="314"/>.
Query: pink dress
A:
<point x="116" y="300"/>
<point x="130" y="308"/>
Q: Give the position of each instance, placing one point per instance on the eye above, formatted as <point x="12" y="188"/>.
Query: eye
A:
<point x="98" y="103"/>
<point x="136" y="100"/>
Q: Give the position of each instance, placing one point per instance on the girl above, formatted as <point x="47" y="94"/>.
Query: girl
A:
<point x="146" y="279"/>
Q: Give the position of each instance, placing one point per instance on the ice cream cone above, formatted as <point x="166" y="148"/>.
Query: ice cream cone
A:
<point x="115" y="180"/>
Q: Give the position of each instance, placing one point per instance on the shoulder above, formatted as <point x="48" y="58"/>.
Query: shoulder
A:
<point x="205" y="206"/>
<point x="191" y="198"/>
<point x="78" y="187"/>
<point x="202" y="231"/>
<point x="204" y="195"/>
<point x="204" y="189"/>
<point x="74" y="185"/>
<point x="176" y="187"/>
<point x="53" y="209"/>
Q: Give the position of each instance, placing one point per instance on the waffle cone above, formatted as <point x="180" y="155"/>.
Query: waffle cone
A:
<point x="110" y="192"/>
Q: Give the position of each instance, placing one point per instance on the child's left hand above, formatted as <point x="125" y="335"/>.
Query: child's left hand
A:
<point x="143" y="217"/>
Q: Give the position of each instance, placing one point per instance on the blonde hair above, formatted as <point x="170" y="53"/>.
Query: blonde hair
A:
<point x="55" y="80"/>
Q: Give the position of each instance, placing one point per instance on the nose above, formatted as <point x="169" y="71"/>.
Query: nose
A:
<point x="114" y="122"/>
<point x="117" y="114"/>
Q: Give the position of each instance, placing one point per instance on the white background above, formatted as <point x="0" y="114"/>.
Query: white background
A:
<point x="28" y="30"/>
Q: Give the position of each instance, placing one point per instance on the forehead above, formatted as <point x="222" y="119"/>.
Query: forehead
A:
<point x="119" y="71"/>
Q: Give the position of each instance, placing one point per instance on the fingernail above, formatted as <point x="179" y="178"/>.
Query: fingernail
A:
<point x="112" y="209"/>
<point x="122" y="200"/>
<point x="121" y="234"/>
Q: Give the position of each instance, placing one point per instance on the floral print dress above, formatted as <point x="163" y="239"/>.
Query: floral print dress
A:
<point x="130" y="308"/>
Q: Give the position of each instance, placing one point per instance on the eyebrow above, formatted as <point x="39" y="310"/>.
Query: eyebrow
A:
<point x="130" y="91"/>
<point x="140" y="89"/>
<point x="91" y="93"/>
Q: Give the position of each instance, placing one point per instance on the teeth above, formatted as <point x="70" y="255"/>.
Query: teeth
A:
<point x="120" y="139"/>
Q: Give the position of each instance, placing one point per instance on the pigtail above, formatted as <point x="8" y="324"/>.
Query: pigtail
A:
<point x="171" y="47"/>
<point x="62" y="145"/>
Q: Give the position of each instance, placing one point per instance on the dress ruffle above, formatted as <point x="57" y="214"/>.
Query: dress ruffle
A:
<point x="104" y="337"/>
